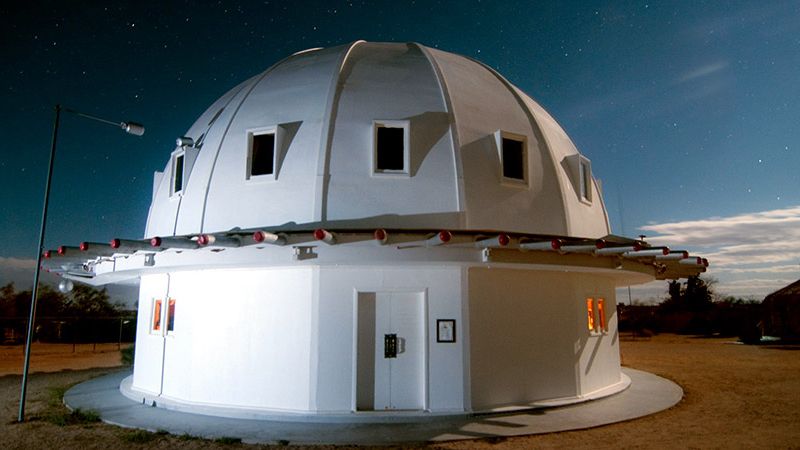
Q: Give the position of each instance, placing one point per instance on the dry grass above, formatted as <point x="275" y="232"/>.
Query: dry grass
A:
<point x="736" y="396"/>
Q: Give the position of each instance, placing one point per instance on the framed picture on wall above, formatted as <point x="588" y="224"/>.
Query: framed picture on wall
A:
<point x="445" y="330"/>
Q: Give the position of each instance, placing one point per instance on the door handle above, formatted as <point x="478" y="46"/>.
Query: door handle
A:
<point x="390" y="346"/>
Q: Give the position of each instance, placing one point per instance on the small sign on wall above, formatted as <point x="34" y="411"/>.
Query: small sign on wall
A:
<point x="445" y="330"/>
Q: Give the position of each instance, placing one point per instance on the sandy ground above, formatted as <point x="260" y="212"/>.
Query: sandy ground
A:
<point x="56" y="357"/>
<point x="736" y="396"/>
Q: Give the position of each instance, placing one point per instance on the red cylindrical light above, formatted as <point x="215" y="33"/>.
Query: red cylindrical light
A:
<point x="319" y="234"/>
<point x="84" y="246"/>
<point x="155" y="242"/>
<point x="258" y="236"/>
<point x="47" y="254"/>
<point x="62" y="250"/>
<point x="115" y="243"/>
<point x="600" y="244"/>
<point x="637" y="246"/>
<point x="203" y="239"/>
<point x="445" y="236"/>
<point x="380" y="234"/>
<point x="503" y="239"/>
<point x="556" y="244"/>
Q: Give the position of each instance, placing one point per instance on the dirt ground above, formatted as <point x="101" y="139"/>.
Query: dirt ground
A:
<point x="736" y="396"/>
<point x="56" y="357"/>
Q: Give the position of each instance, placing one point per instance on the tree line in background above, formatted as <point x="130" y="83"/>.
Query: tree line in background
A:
<point x="693" y="308"/>
<point x="82" y="315"/>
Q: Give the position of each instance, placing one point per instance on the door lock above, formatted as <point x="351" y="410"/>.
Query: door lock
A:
<point x="390" y="345"/>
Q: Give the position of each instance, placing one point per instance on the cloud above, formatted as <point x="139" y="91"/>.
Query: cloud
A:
<point x="746" y="234"/>
<point x="751" y="254"/>
<point x="703" y="71"/>
<point x="20" y="272"/>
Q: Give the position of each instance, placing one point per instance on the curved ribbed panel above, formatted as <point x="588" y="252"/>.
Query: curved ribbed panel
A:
<point x="326" y="103"/>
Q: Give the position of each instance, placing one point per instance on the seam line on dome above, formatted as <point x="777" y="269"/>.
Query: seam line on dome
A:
<point x="225" y="134"/>
<point x="457" y="162"/>
<point x="326" y="139"/>
<point x="536" y="130"/>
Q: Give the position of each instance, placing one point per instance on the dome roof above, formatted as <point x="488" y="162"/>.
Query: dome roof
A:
<point x="370" y="135"/>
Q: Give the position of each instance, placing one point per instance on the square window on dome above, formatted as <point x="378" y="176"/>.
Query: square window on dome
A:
<point x="513" y="153"/>
<point x="177" y="173"/>
<point x="262" y="154"/>
<point x="391" y="147"/>
<point x="586" y="180"/>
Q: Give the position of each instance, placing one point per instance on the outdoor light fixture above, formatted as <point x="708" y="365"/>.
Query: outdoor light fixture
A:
<point x="134" y="128"/>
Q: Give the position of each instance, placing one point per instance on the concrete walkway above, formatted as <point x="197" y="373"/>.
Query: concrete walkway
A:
<point x="647" y="394"/>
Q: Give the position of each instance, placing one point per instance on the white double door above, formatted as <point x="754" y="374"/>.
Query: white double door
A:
<point x="391" y="351"/>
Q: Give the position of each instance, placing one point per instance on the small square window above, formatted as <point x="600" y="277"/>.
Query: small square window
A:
<point x="513" y="154"/>
<point x="262" y="154"/>
<point x="391" y="147"/>
<point x="177" y="173"/>
<point x="513" y="159"/>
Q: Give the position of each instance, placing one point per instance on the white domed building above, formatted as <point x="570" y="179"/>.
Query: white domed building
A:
<point x="375" y="227"/>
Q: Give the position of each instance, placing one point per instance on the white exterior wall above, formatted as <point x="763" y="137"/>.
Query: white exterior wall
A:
<point x="529" y="339"/>
<point x="285" y="339"/>
<point x="335" y="317"/>
<point x="149" y="347"/>
<point x="243" y="347"/>
<point x="277" y="344"/>
<point x="598" y="361"/>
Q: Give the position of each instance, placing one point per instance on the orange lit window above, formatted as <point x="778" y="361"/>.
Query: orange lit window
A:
<point x="601" y="313"/>
<point x="590" y="313"/>
<point x="156" y="315"/>
<point x="171" y="315"/>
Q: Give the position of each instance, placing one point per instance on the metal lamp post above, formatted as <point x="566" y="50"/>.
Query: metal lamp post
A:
<point x="134" y="128"/>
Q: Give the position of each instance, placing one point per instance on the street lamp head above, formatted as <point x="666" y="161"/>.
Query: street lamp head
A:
<point x="132" y="128"/>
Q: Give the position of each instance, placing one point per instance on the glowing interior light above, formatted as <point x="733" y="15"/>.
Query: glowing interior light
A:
<point x="601" y="314"/>
<point x="590" y="313"/>
<point x="157" y="315"/>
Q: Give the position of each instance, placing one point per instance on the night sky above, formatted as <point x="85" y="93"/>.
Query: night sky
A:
<point x="689" y="111"/>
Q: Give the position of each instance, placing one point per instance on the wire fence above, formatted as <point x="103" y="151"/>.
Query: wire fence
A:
<point x="71" y="330"/>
